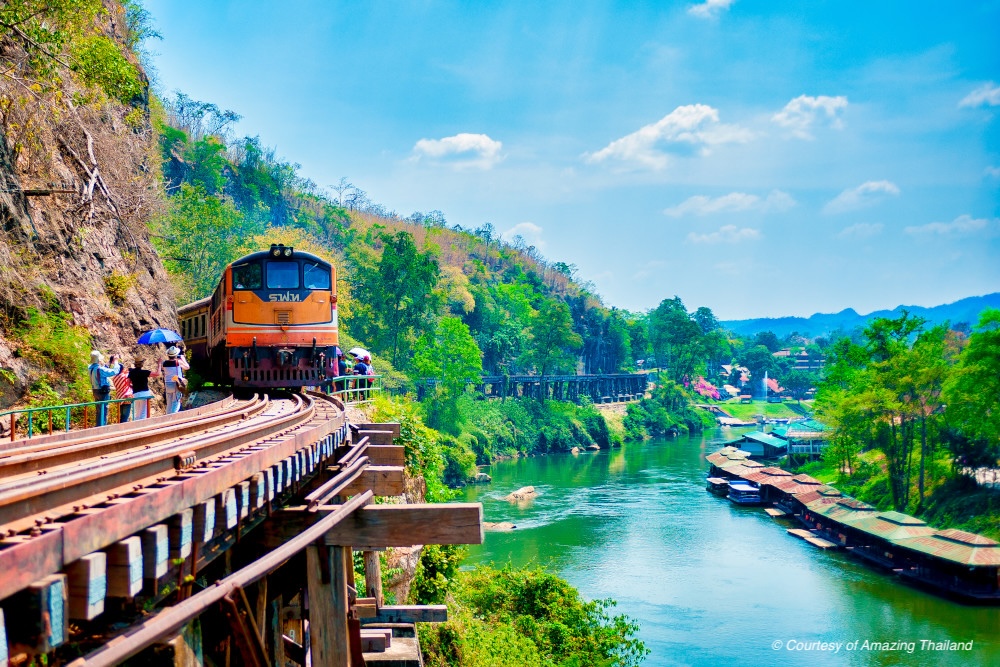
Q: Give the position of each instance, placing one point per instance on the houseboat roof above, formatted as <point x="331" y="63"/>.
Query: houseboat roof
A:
<point x="718" y="481"/>
<point x="894" y="526"/>
<point x="957" y="546"/>
<point x="844" y="510"/>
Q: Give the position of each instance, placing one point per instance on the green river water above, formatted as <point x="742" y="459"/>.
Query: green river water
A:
<point x="711" y="583"/>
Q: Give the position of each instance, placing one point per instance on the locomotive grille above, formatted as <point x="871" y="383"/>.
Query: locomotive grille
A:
<point x="282" y="316"/>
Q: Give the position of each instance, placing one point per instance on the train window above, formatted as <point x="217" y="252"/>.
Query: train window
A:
<point x="283" y="275"/>
<point x="247" y="276"/>
<point x="202" y="332"/>
<point x="315" y="276"/>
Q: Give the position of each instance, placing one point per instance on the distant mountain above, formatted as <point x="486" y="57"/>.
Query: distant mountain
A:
<point x="822" y="324"/>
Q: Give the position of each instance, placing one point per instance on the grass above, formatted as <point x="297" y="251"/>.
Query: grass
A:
<point x="747" y="411"/>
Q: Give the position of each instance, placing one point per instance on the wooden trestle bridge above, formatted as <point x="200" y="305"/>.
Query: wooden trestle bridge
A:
<point x="615" y="388"/>
<point x="222" y="535"/>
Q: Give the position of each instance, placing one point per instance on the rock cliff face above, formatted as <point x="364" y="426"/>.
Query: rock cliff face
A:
<point x="79" y="182"/>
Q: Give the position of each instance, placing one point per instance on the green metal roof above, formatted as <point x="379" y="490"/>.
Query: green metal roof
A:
<point x="765" y="438"/>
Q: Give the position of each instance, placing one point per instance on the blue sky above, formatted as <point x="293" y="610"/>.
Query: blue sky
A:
<point x="759" y="158"/>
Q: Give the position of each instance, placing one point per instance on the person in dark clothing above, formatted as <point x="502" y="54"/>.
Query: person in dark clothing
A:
<point x="140" y="386"/>
<point x="362" y="368"/>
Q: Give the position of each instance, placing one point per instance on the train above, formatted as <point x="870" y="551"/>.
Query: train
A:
<point x="271" y="322"/>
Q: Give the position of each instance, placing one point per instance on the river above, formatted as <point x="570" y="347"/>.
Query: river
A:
<point x="711" y="583"/>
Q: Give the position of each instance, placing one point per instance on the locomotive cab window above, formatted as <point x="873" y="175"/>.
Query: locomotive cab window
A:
<point x="247" y="276"/>
<point x="282" y="275"/>
<point x="315" y="276"/>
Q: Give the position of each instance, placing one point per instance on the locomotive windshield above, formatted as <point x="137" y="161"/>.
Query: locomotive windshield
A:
<point x="282" y="275"/>
<point x="247" y="276"/>
<point x="315" y="276"/>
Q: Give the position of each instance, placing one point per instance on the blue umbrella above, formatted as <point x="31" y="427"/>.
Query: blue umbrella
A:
<point x="159" y="336"/>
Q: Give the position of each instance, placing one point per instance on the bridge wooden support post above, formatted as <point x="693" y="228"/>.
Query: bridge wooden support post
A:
<point x="326" y="572"/>
<point x="373" y="576"/>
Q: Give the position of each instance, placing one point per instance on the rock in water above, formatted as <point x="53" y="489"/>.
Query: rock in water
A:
<point x="482" y="478"/>
<point x="524" y="493"/>
<point x="501" y="527"/>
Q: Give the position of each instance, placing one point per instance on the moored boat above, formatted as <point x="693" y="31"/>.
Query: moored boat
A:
<point x="718" y="486"/>
<point x="744" y="493"/>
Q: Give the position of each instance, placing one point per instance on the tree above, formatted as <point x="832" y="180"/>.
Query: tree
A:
<point x="769" y="340"/>
<point x="972" y="392"/>
<point x="199" y="236"/>
<point x="758" y="360"/>
<point x="553" y="342"/>
<point x="798" y="383"/>
<point x="676" y="339"/>
<point x="397" y="292"/>
<point x="705" y="318"/>
<point x="450" y="355"/>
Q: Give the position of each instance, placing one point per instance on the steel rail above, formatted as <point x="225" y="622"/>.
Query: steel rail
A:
<point x="33" y="459"/>
<point x="172" y="619"/>
<point x="28" y="496"/>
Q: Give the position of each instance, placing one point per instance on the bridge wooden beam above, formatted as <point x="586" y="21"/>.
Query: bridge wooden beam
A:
<point x="408" y="525"/>
<point x="382" y="480"/>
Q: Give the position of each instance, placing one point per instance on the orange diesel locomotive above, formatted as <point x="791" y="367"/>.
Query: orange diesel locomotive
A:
<point x="271" y="322"/>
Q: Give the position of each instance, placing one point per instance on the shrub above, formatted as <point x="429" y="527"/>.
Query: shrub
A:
<point x="527" y="616"/>
<point x="117" y="285"/>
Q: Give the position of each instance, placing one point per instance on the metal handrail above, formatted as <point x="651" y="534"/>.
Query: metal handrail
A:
<point x="352" y="393"/>
<point x="67" y="417"/>
<point x="357" y="394"/>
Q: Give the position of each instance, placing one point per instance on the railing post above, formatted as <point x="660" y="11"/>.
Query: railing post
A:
<point x="68" y="415"/>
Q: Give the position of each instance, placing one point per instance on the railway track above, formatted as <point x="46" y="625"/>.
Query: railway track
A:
<point x="134" y="531"/>
<point x="68" y="495"/>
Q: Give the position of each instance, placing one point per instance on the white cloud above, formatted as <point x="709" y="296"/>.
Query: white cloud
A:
<point x="726" y="234"/>
<point x="993" y="171"/>
<point x="648" y="269"/>
<point x="689" y="126"/>
<point x="710" y="8"/>
<point x="863" y="196"/>
<point x="862" y="230"/>
<point x="800" y="114"/>
<point x="463" y="150"/>
<point x="987" y="94"/>
<point x="963" y="224"/>
<point x="528" y="231"/>
<point x="734" y="201"/>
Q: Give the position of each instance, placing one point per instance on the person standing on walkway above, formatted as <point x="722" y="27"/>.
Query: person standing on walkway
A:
<point x="123" y="390"/>
<point x="140" y="384"/>
<point x="173" y="377"/>
<point x="100" y="382"/>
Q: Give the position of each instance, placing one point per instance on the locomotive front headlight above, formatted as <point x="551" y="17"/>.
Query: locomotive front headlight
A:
<point x="275" y="251"/>
<point x="288" y="252"/>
